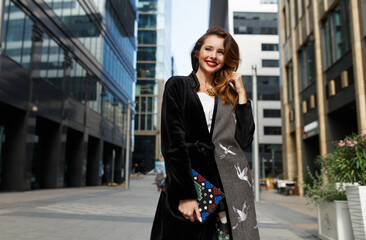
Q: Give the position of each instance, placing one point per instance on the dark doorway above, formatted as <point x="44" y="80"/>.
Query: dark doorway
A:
<point x="144" y="154"/>
<point x="342" y="122"/>
<point x="74" y="159"/>
<point x="46" y="154"/>
<point x="94" y="170"/>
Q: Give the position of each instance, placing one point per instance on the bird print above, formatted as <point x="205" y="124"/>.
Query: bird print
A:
<point x="226" y="151"/>
<point x="243" y="214"/>
<point x="242" y="174"/>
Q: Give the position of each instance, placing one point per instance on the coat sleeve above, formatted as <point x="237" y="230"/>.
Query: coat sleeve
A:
<point x="244" y="124"/>
<point x="180" y="183"/>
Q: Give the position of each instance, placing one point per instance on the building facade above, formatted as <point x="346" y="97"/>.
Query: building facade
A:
<point x="154" y="67"/>
<point x="253" y="24"/>
<point x="67" y="80"/>
<point x="323" y="92"/>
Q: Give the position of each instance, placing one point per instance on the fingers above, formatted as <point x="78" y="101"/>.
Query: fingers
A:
<point x="189" y="209"/>
<point x="198" y="213"/>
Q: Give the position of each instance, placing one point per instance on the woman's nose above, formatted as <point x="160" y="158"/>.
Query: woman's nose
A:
<point x="213" y="55"/>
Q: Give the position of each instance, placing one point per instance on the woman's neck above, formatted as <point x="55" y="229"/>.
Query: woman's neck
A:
<point x="205" y="78"/>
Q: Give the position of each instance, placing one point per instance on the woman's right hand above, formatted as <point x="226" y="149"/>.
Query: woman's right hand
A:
<point x="188" y="207"/>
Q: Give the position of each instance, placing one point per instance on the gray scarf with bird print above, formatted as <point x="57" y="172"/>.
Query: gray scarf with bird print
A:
<point x="235" y="175"/>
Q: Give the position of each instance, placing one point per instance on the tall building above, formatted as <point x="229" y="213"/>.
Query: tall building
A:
<point x="323" y="93"/>
<point x="253" y="24"/>
<point x="154" y="66"/>
<point x="66" y="80"/>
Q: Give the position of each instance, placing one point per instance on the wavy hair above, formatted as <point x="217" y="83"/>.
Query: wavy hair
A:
<point x="231" y="63"/>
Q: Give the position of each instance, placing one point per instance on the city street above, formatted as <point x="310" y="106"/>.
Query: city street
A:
<point x="113" y="213"/>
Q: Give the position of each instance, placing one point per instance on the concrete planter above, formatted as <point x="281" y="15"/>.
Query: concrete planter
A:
<point x="335" y="222"/>
<point x="356" y="196"/>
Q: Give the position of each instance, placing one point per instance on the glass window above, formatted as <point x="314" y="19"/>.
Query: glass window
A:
<point x="269" y="47"/>
<point x="108" y="106"/>
<point x="95" y="94"/>
<point x="17" y="34"/>
<point x="270" y="63"/>
<point x="146" y="87"/>
<point x="146" y="70"/>
<point x="255" y="23"/>
<point x="307" y="65"/>
<point x="146" y="54"/>
<point x="149" y="122"/>
<point x="52" y="62"/>
<point x="272" y="130"/>
<point x="147" y="20"/>
<point x="143" y="104"/>
<point x="296" y="10"/>
<point x="271" y="113"/>
<point x="290" y="77"/>
<point x="137" y="118"/>
<point x="247" y="80"/>
<point x="336" y="34"/>
<point x="148" y="6"/>
<point x="268" y="88"/>
<point x="77" y="82"/>
<point x="363" y="15"/>
<point x="147" y="37"/>
<point x="142" y="121"/>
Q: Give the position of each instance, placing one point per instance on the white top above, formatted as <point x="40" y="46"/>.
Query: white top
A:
<point x="208" y="104"/>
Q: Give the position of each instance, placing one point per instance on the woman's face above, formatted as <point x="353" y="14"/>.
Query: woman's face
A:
<point x="211" y="56"/>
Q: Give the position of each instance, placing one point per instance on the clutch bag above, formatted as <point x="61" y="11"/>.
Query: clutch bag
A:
<point x="208" y="196"/>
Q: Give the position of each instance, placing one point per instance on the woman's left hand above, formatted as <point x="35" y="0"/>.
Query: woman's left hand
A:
<point x="237" y="80"/>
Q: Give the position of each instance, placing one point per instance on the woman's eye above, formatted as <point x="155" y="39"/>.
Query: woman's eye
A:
<point x="208" y="49"/>
<point x="221" y="52"/>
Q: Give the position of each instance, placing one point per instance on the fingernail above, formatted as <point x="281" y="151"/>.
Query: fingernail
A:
<point x="200" y="219"/>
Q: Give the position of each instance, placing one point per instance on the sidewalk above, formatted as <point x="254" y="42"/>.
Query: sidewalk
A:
<point x="112" y="213"/>
<point x="285" y="217"/>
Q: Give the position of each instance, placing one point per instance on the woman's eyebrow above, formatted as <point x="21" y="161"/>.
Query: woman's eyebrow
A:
<point x="220" y="49"/>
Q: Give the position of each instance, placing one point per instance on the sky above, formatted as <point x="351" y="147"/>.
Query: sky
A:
<point x="189" y="22"/>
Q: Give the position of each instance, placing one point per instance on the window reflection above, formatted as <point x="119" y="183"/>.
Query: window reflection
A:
<point x="255" y="23"/>
<point x="146" y="70"/>
<point x="146" y="54"/>
<point x="95" y="91"/>
<point x="17" y="34"/>
<point x="52" y="62"/>
<point x="147" y="37"/>
<point x="108" y="106"/>
<point x="336" y="34"/>
<point x="148" y="6"/>
<point x="146" y="87"/>
<point x="147" y="20"/>
<point x="78" y="82"/>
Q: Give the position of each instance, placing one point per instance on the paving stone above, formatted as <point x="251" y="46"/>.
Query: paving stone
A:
<point x="112" y="213"/>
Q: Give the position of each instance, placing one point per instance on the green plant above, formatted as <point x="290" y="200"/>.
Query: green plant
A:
<point x="347" y="163"/>
<point x="321" y="189"/>
<point x="272" y="175"/>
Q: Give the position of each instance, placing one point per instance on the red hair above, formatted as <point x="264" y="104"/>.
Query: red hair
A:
<point x="232" y="60"/>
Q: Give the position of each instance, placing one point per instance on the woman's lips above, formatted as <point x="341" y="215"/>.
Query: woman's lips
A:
<point x="211" y="63"/>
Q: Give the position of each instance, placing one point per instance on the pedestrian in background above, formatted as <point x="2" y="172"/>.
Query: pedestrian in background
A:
<point x="160" y="176"/>
<point x="206" y="122"/>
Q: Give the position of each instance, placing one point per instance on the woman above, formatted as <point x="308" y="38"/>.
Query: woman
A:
<point x="206" y="121"/>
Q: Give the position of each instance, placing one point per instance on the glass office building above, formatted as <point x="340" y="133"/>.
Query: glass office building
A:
<point x="67" y="80"/>
<point x="153" y="69"/>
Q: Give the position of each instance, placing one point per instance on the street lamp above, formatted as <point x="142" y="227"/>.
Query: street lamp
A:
<point x="256" y="138"/>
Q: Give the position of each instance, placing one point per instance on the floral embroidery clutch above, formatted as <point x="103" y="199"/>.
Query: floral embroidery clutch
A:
<point x="208" y="196"/>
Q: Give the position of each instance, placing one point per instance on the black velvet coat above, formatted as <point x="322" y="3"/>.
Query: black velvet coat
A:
<point x="187" y="144"/>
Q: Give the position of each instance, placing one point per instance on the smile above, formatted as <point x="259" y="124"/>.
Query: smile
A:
<point x="211" y="63"/>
